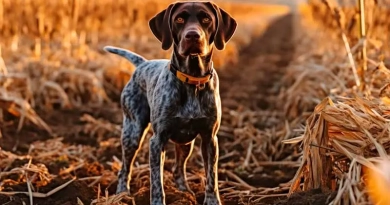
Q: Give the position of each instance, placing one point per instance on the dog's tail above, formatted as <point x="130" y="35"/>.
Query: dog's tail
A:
<point x="131" y="56"/>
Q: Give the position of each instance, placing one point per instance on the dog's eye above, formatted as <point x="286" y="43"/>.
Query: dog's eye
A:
<point x="179" y="20"/>
<point x="206" y="20"/>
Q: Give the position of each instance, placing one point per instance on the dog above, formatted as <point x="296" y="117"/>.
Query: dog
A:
<point x="179" y="98"/>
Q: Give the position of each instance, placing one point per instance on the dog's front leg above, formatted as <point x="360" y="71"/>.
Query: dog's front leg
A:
<point x="156" y="161"/>
<point x="182" y="154"/>
<point x="210" y="159"/>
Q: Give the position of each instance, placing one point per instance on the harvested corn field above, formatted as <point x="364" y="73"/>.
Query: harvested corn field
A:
<point x="297" y="125"/>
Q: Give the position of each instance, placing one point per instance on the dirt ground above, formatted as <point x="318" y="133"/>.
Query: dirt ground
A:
<point x="253" y="84"/>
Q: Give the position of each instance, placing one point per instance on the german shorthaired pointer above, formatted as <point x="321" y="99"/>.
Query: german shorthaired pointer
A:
<point x="178" y="97"/>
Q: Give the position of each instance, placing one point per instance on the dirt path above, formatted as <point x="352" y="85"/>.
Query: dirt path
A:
<point x="254" y="85"/>
<point x="261" y="66"/>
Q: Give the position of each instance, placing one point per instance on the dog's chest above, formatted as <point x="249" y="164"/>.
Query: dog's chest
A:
<point x="195" y="116"/>
<point x="197" y="105"/>
<point x="184" y="130"/>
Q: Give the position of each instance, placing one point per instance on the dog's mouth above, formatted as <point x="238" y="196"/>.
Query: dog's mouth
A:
<point x="193" y="49"/>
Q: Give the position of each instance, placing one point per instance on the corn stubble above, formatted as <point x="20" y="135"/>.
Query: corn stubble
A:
<point x="346" y="138"/>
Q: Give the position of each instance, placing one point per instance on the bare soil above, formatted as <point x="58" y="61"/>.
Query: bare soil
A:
<point x="258" y="73"/>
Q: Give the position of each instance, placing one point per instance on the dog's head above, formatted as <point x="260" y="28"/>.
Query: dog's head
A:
<point x="193" y="27"/>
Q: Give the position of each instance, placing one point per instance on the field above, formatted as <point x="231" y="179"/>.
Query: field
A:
<point x="295" y="128"/>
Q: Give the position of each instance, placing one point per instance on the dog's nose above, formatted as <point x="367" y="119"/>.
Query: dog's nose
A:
<point x="192" y="35"/>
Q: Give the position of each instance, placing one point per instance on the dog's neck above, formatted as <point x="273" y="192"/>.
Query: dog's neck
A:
<point x="196" y="66"/>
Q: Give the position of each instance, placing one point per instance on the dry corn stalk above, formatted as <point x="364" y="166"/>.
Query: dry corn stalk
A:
<point x="21" y="108"/>
<point x="339" y="139"/>
<point x="79" y="81"/>
<point x="99" y="127"/>
<point x="59" y="93"/>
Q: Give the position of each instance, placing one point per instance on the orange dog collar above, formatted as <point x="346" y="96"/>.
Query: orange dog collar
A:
<point x="199" y="81"/>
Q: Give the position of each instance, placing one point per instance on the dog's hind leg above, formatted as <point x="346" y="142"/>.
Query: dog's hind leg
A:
<point x="135" y="126"/>
<point x="182" y="154"/>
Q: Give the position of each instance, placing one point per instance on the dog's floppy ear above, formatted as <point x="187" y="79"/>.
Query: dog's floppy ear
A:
<point x="226" y="26"/>
<point x="160" y="26"/>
